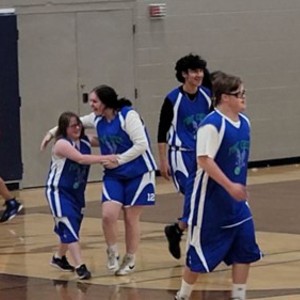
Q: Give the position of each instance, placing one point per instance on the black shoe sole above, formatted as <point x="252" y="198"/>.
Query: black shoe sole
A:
<point x="58" y="267"/>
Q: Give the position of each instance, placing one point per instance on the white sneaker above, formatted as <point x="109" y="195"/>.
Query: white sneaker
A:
<point x="127" y="266"/>
<point x="177" y="297"/>
<point x="112" y="260"/>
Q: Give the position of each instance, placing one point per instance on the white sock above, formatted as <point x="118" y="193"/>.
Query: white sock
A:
<point x="186" y="289"/>
<point x="238" y="291"/>
<point x="57" y="256"/>
<point x="131" y="256"/>
<point x="113" y="248"/>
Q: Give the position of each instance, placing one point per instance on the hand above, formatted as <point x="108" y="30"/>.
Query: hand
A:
<point x="238" y="192"/>
<point x="110" y="161"/>
<point x="48" y="137"/>
<point x="165" y="170"/>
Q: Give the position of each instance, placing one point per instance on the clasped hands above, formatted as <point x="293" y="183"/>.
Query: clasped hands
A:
<point x="110" y="161"/>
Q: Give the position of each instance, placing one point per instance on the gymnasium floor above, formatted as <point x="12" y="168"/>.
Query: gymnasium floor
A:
<point x="27" y="244"/>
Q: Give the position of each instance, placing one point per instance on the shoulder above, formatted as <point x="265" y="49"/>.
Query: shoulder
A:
<point x="205" y="90"/>
<point x="213" y="118"/>
<point x="85" y="140"/>
<point x="61" y="146"/>
<point x="243" y="117"/>
<point x="125" y="110"/>
<point x="63" y="141"/>
<point x="173" y="94"/>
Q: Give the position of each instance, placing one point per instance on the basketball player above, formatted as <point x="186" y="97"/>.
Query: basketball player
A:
<point x="129" y="183"/>
<point x="71" y="157"/>
<point x="181" y="113"/>
<point x="220" y="223"/>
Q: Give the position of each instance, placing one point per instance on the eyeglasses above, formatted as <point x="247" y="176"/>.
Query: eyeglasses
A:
<point x="238" y="94"/>
<point x="75" y="125"/>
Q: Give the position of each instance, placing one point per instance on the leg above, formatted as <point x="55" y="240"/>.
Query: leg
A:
<point x="246" y="249"/>
<point x="187" y="284"/>
<point x="59" y="259"/>
<point x="81" y="269"/>
<point x="4" y="192"/>
<point x="240" y="273"/>
<point x="180" y="162"/>
<point x="75" y="251"/>
<point x="62" y="249"/>
<point x="132" y="228"/>
<point x="132" y="237"/>
<point x="12" y="205"/>
<point x="110" y="215"/>
<point x="173" y="233"/>
<point x="67" y="228"/>
<point x="239" y="279"/>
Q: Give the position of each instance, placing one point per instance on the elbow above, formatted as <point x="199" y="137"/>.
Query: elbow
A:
<point x="143" y="147"/>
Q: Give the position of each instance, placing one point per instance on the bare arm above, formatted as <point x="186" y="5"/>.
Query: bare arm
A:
<point x="63" y="148"/>
<point x="87" y="122"/>
<point x="236" y="190"/>
<point x="163" y="161"/>
<point x="165" y="121"/>
<point x="207" y="146"/>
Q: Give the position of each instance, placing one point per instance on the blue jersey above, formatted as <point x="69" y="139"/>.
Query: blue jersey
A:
<point x="210" y="204"/>
<point x="187" y="117"/>
<point x="66" y="183"/>
<point x="113" y="139"/>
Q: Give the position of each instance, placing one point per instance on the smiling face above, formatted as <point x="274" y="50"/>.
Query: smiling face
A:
<point x="69" y="126"/>
<point x="96" y="105"/>
<point x="193" y="78"/>
<point x="74" y="129"/>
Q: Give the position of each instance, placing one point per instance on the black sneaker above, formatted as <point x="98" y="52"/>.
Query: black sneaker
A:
<point x="173" y="234"/>
<point x="62" y="263"/>
<point x="83" y="272"/>
<point x="12" y="208"/>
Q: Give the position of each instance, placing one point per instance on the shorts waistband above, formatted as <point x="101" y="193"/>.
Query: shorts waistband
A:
<point x="176" y="148"/>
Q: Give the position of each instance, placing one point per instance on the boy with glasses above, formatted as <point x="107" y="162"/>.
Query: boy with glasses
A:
<point x="220" y="223"/>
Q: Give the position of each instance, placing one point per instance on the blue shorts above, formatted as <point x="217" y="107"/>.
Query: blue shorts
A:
<point x="182" y="164"/>
<point x="206" y="250"/>
<point x="129" y="192"/>
<point x="67" y="228"/>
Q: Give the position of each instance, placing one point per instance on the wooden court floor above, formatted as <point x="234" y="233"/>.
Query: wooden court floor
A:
<point x="27" y="244"/>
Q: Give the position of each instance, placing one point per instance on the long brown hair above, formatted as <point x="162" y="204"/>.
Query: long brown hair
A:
<point x="108" y="96"/>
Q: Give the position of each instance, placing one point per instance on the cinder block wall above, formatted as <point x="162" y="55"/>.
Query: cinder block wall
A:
<point x="256" y="39"/>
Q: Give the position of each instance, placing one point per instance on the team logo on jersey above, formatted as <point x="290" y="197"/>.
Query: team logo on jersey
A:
<point x="111" y="142"/>
<point x="193" y="122"/>
<point x="240" y="150"/>
<point x="80" y="174"/>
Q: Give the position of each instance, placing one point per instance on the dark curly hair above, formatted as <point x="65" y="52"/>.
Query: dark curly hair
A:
<point x="189" y="61"/>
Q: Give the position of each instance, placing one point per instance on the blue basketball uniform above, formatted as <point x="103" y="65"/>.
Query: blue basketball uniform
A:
<point x="187" y="117"/>
<point x="221" y="228"/>
<point x="129" y="192"/>
<point x="132" y="183"/>
<point x="65" y="189"/>
<point x="114" y="139"/>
